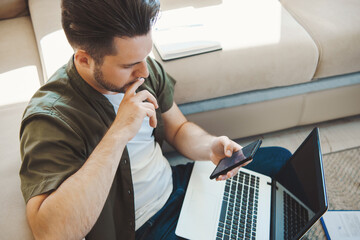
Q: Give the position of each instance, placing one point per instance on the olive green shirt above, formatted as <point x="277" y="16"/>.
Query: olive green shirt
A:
<point x="63" y="123"/>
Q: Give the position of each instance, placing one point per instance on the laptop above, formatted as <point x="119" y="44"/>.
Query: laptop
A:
<point x="254" y="206"/>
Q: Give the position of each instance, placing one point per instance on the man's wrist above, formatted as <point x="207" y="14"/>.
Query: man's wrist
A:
<point x="119" y="136"/>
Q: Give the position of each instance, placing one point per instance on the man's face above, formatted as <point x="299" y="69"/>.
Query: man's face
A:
<point x="118" y="72"/>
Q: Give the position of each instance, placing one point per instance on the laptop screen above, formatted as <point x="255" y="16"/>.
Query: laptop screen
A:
<point x="302" y="179"/>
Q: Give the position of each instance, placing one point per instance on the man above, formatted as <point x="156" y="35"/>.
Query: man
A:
<point x="90" y="137"/>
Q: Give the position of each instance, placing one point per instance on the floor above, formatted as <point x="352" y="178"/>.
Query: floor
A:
<point x="335" y="136"/>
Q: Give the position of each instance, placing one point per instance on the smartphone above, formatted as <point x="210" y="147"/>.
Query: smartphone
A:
<point x="242" y="156"/>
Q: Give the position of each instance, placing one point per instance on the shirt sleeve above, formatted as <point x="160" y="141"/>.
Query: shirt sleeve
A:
<point x="50" y="153"/>
<point x="164" y="85"/>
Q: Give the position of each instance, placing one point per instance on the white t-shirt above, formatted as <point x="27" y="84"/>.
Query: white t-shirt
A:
<point x="150" y="170"/>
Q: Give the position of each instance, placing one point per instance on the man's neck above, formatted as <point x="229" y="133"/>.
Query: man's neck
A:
<point x="89" y="79"/>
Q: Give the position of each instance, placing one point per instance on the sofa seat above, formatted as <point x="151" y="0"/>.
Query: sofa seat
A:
<point x="13" y="223"/>
<point x="20" y="77"/>
<point x="334" y="26"/>
<point x="263" y="47"/>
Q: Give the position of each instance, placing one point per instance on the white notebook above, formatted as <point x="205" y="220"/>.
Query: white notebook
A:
<point x="176" y="36"/>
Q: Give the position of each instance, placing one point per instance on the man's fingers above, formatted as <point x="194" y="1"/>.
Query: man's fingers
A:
<point x="246" y="163"/>
<point x="229" y="174"/>
<point x="232" y="172"/>
<point x="142" y="95"/>
<point x="222" y="177"/>
<point x="235" y="171"/>
<point x="146" y="95"/>
<point x="151" y="113"/>
<point x="132" y="88"/>
<point x="153" y="121"/>
<point x="228" y="147"/>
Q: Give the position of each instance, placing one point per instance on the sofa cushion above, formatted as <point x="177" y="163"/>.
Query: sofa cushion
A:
<point x="334" y="25"/>
<point x="20" y="77"/>
<point x="20" y="70"/>
<point x="13" y="8"/>
<point x="343" y="102"/>
<point x="263" y="47"/>
<point x="12" y="211"/>
<point x="55" y="51"/>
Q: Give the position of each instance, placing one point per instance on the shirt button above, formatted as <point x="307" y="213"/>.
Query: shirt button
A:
<point x="129" y="192"/>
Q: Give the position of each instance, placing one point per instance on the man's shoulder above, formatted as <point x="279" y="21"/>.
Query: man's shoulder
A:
<point x="156" y="70"/>
<point x="157" y="74"/>
<point x="51" y="93"/>
<point x="161" y="83"/>
<point x="153" y="64"/>
<point x="69" y="101"/>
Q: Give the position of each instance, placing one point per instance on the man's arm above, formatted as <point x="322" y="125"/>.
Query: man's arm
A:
<point x="195" y="143"/>
<point x="72" y="209"/>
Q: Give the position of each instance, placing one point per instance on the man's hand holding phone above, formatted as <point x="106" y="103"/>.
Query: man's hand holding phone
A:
<point x="235" y="157"/>
<point x="223" y="147"/>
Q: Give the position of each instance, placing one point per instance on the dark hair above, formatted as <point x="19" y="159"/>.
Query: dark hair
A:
<point x="92" y="24"/>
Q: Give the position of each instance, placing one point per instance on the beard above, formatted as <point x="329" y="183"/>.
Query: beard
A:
<point x="99" y="78"/>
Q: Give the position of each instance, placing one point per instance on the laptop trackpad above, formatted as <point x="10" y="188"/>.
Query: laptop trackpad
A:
<point x="202" y="204"/>
<point x="200" y="217"/>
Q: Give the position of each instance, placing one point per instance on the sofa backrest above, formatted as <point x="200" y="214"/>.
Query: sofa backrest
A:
<point x="13" y="8"/>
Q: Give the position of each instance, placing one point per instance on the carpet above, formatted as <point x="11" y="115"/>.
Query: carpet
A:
<point x="342" y="180"/>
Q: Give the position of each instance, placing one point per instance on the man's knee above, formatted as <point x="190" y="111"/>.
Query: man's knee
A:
<point x="269" y="160"/>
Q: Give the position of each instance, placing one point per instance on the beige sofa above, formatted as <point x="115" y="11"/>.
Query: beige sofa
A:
<point x="283" y="64"/>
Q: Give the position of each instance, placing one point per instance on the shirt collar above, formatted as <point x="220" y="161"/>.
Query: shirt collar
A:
<point x="99" y="102"/>
<point x="81" y="85"/>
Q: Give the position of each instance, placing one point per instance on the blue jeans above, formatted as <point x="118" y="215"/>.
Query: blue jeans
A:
<point x="162" y="225"/>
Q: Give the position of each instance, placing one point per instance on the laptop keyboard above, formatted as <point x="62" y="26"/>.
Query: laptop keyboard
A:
<point x="295" y="214"/>
<point x="238" y="214"/>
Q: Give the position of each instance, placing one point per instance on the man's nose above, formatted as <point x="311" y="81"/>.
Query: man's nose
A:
<point x="142" y="70"/>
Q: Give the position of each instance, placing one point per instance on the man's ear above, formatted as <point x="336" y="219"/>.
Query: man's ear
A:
<point x="83" y="59"/>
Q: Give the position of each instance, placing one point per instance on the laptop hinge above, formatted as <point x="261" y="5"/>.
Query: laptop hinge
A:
<point x="273" y="210"/>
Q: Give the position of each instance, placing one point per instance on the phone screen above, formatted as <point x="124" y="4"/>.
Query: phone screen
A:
<point x="237" y="158"/>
